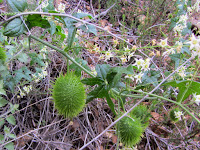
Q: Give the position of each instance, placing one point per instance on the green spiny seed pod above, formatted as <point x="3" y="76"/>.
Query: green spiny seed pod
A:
<point x="69" y="95"/>
<point x="2" y="54"/>
<point x="141" y="112"/>
<point x="130" y="130"/>
<point x="172" y="114"/>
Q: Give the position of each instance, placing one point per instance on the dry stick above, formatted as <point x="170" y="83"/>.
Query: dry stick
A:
<point x="84" y="22"/>
<point x="112" y="124"/>
<point x="31" y="132"/>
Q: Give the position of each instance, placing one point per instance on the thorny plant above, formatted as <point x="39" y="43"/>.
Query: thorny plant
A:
<point x="133" y="76"/>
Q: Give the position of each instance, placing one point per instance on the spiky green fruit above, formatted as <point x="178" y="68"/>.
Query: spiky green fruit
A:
<point x="69" y="95"/>
<point x="172" y="114"/>
<point x="130" y="130"/>
<point x="2" y="54"/>
<point x="141" y="112"/>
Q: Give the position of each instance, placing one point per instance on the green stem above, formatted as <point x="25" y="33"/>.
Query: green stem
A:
<point x="63" y="53"/>
<point x="177" y="103"/>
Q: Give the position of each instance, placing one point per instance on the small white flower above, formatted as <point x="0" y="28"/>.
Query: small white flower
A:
<point x="183" y="18"/>
<point x="169" y="51"/>
<point x="196" y="99"/>
<point x="101" y="57"/>
<point x="27" y="89"/>
<point x="96" y="48"/>
<point x="129" y="76"/>
<point x="181" y="72"/>
<point x="22" y="94"/>
<point x="130" y="55"/>
<point x="146" y="64"/>
<point x="61" y="8"/>
<point x="163" y="43"/>
<point x="123" y="59"/>
<point x="44" y="4"/>
<point x="194" y="42"/>
<point x="139" y="63"/>
<point x="138" y="77"/>
<point x="178" y="114"/>
<point x="179" y="46"/>
<point x="108" y="54"/>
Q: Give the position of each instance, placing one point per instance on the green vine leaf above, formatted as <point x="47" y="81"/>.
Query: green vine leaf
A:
<point x="3" y="102"/>
<point x="186" y="88"/>
<point x="17" y="5"/>
<point x="37" y="20"/>
<point x="11" y="120"/>
<point x="102" y="70"/>
<point x="76" y="68"/>
<point x="24" y="72"/>
<point x="92" y="81"/>
<point x="10" y="146"/>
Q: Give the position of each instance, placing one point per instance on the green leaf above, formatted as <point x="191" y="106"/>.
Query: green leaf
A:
<point x="23" y="57"/>
<point x="37" y="20"/>
<point x="71" y="35"/>
<point x="12" y="136"/>
<point x="151" y="77"/>
<point x="21" y="73"/>
<point x="2" y="91"/>
<point x="17" y="5"/>
<point x="92" y="81"/>
<point x="52" y="28"/>
<point x="3" y="102"/>
<point x="10" y="146"/>
<point x="2" y="122"/>
<point x="102" y="70"/>
<point x="89" y="29"/>
<point x="76" y="68"/>
<point x="1" y="137"/>
<point x="186" y="88"/>
<point x="50" y="7"/>
<point x="6" y="130"/>
<point x="110" y="103"/>
<point x="36" y="59"/>
<point x="14" y="107"/>
<point x="176" y="58"/>
<point x="98" y="92"/>
<point x="82" y="15"/>
<point x="9" y="82"/>
<point x="11" y="120"/>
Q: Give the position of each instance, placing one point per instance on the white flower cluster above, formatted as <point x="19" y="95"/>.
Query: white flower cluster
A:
<point x="141" y="64"/>
<point x="178" y="114"/>
<point x="196" y="99"/>
<point x="44" y="4"/>
<point x="194" y="45"/>
<point x="181" y="72"/>
<point x="61" y="8"/>
<point x="26" y="90"/>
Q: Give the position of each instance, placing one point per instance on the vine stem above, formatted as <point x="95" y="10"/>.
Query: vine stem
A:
<point x="63" y="53"/>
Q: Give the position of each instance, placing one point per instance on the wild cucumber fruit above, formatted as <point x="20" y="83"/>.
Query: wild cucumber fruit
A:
<point x="69" y="95"/>
<point x="142" y="113"/>
<point x="14" y="28"/>
<point x="130" y="130"/>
